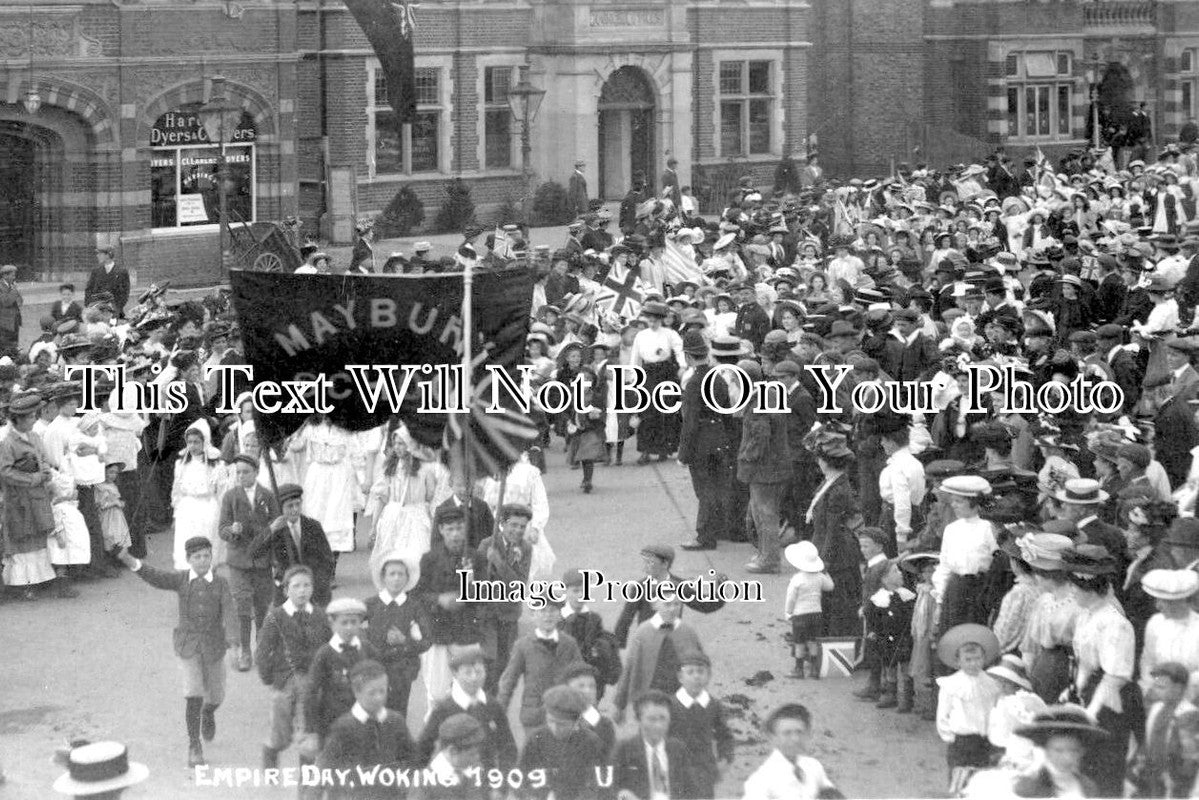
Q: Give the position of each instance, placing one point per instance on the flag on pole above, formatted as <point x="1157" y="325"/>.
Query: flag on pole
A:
<point x="621" y="293"/>
<point x="390" y="27"/>
<point x="296" y="327"/>
<point x="500" y="244"/>
<point x="678" y="262"/>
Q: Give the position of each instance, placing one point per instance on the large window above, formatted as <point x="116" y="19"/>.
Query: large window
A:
<point x="1187" y="79"/>
<point x="184" y="178"/>
<point x="497" y="117"/>
<point x="746" y="97"/>
<point x="421" y="152"/>
<point x="1040" y="92"/>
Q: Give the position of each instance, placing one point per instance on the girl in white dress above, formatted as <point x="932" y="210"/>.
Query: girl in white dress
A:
<point x="333" y="480"/>
<point x="196" y="493"/>
<point x="408" y="487"/>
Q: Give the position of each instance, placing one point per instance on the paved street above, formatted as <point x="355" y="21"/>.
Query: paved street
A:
<point x="102" y="665"/>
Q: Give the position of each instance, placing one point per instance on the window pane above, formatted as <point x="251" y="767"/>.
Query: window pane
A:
<point x="197" y="203"/>
<point x="1188" y="61"/>
<point x="1030" y="111"/>
<point x="380" y="88"/>
<point x="1013" y="111"/>
<point x="759" y="126"/>
<point x="1063" y="110"/>
<point x="498" y="144"/>
<point x="389" y="159"/>
<point x="1188" y="99"/>
<point x="163" y="165"/>
<point x="426" y="86"/>
<point x="730" y="76"/>
<point x="759" y="77"/>
<point x="424" y="141"/>
<point x="1063" y="63"/>
<point x="495" y="84"/>
<point x="730" y="128"/>
<point x="239" y="188"/>
<point x="1040" y="65"/>
<point x="1013" y="65"/>
<point x="1043" y="111"/>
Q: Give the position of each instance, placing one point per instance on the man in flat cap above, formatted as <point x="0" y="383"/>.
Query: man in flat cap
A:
<point x="571" y="756"/>
<point x="293" y="538"/>
<point x="1173" y="411"/>
<point x="707" y="446"/>
<point x="107" y="276"/>
<point x="10" y="311"/>
<point x="504" y="557"/>
<point x="479" y="520"/>
<point x="656" y="559"/>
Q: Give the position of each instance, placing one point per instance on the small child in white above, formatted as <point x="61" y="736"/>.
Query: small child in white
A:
<point x="113" y="525"/>
<point x="804" y="606"/>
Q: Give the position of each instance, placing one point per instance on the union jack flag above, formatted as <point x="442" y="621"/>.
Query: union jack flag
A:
<point x="621" y="295"/>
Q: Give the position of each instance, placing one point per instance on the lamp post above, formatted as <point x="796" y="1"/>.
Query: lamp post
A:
<point x="217" y="117"/>
<point x="524" y="99"/>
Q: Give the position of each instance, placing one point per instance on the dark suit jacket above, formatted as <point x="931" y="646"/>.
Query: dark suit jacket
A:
<point x="705" y="431"/>
<point x="632" y="768"/>
<point x="207" y="614"/>
<point x="1174" y="451"/>
<point x="329" y="694"/>
<point x="479" y="522"/>
<point x="498" y="749"/>
<point x="439" y="574"/>
<point x="73" y="311"/>
<point x="635" y="613"/>
<point x="570" y="764"/>
<point x="255" y="522"/>
<point x="173" y="427"/>
<point x="116" y="282"/>
<point x="314" y="552"/>
<point x="917" y="358"/>
<point x="838" y="550"/>
<point x="351" y="744"/>
<point x="1126" y="372"/>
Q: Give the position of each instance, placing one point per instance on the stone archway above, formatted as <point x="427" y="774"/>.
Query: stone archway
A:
<point x="627" y="131"/>
<point x="1116" y="96"/>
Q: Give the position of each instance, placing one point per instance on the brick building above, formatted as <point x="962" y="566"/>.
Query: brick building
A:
<point x="949" y="80"/>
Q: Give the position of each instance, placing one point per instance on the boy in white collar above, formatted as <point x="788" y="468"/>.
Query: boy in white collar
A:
<point x="889" y="620"/>
<point x="697" y="720"/>
<point x="468" y="665"/>
<point x="966" y="700"/>
<point x="598" y="646"/>
<point x="541" y="658"/>
<point x="291" y="635"/>
<point x="329" y="691"/>
<point x="397" y="626"/>
<point x="580" y="676"/>
<point x="789" y="772"/>
<point x="652" y="660"/>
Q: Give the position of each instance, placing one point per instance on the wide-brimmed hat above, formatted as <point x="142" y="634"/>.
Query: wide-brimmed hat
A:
<point x="916" y="562"/>
<point x="730" y="347"/>
<point x="655" y="309"/>
<point x="1081" y="491"/>
<point x="1011" y="668"/>
<point x="410" y="560"/>
<point x="804" y="557"/>
<point x="967" y="633"/>
<point x="1090" y="560"/>
<point x="99" y="767"/>
<point x="1063" y="720"/>
<point x="1043" y="550"/>
<point x="1170" y="584"/>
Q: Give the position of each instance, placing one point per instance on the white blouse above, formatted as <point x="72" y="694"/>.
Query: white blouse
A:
<point x="1171" y="640"/>
<point x="655" y="346"/>
<point x="966" y="549"/>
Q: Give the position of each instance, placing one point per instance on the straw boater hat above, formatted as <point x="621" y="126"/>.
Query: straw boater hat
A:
<point x="1170" y="584"/>
<point x="1011" y="668"/>
<point x="1043" y="550"/>
<point x="803" y="556"/>
<point x="1082" y="492"/>
<point x="965" y="486"/>
<point x="1063" y="720"/>
<point x="410" y="560"/>
<point x="916" y="562"/>
<point x="967" y="633"/>
<point x="98" y="768"/>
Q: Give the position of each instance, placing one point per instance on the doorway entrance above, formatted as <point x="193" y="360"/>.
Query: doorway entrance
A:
<point x="627" y="139"/>
<point x="19" y="208"/>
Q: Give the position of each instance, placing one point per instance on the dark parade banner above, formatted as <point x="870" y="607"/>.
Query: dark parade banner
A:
<point x="390" y="27"/>
<point x="297" y="327"/>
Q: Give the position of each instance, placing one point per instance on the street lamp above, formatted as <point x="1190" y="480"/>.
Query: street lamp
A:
<point x="218" y="117"/>
<point x="524" y="99"/>
<point x="1092" y="76"/>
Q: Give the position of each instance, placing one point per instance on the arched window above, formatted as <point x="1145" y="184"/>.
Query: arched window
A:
<point x="184" y="190"/>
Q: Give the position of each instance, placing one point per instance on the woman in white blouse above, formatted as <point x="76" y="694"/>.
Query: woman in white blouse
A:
<point x="408" y="488"/>
<point x="967" y="547"/>
<point x="1104" y="646"/>
<point x="1172" y="634"/>
<point x="659" y="351"/>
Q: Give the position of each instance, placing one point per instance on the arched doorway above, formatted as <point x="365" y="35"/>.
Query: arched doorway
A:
<point x="1116" y="96"/>
<point x="627" y="139"/>
<point x="30" y="157"/>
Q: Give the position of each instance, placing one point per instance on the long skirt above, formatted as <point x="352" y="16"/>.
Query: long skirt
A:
<point x="1050" y="673"/>
<point x="658" y="434"/>
<point x="842" y="603"/>
<point x="28" y="569"/>
<point x="963" y="601"/>
<point x="1105" y="761"/>
<point x="76" y="547"/>
<point x="402" y="527"/>
<point x="197" y="516"/>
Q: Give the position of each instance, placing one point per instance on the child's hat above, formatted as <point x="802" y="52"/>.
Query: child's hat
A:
<point x="99" y="768"/>
<point x="289" y="491"/>
<point x="579" y="668"/>
<point x="1063" y="720"/>
<point x="1170" y="584"/>
<point x="345" y="605"/>
<point x="410" y="560"/>
<point x="804" y="557"/>
<point x="462" y="731"/>
<point x="197" y="543"/>
<point x="562" y="701"/>
<point x="916" y="562"/>
<point x="1011" y="668"/>
<point x="246" y="458"/>
<point x="696" y="658"/>
<point x="967" y="633"/>
<point x="461" y="655"/>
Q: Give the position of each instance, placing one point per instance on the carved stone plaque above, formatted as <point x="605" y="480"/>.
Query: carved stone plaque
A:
<point x="627" y="17"/>
<point x="47" y="38"/>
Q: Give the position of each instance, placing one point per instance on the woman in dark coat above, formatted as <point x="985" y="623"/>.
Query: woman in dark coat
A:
<point x="828" y="518"/>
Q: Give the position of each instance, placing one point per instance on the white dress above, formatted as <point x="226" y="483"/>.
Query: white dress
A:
<point x="403" y="507"/>
<point x="196" y="499"/>
<point x="69" y="525"/>
<point x="332" y="482"/>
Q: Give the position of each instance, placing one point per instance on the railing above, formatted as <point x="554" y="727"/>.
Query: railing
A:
<point x="1118" y="13"/>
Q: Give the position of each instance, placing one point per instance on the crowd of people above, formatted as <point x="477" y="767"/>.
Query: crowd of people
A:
<point x="1025" y="582"/>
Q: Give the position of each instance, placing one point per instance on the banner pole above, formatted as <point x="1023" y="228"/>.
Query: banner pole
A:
<point x="465" y="385"/>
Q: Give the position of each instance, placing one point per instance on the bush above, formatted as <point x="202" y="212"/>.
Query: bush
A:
<point x="403" y="214"/>
<point x="458" y="210"/>
<point x="551" y="205"/>
<point x="506" y="213"/>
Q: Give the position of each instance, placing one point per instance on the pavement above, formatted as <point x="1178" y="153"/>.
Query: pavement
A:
<point x="102" y="665"/>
